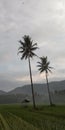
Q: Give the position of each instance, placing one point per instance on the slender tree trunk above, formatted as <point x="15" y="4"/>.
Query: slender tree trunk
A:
<point x="48" y="89"/>
<point x="31" y="83"/>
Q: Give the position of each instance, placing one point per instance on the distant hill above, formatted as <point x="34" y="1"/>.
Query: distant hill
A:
<point x="18" y="94"/>
<point x="39" y="88"/>
<point x="2" y="92"/>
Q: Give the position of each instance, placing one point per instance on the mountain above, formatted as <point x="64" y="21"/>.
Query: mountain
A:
<point x="2" y="92"/>
<point x="18" y="94"/>
<point x="39" y="88"/>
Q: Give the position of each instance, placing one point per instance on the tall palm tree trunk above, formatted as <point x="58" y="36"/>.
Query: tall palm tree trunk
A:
<point x="31" y="82"/>
<point x="48" y="89"/>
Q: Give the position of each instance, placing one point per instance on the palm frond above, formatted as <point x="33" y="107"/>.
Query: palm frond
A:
<point x="33" y="54"/>
<point x="34" y="48"/>
<point x="51" y="67"/>
<point x="19" y="52"/>
<point x="22" y="43"/>
<point x="49" y="70"/>
<point x="44" y="65"/>
<point x="23" y="56"/>
<point x="35" y="44"/>
<point x="39" y="63"/>
<point x="41" y="71"/>
<point x="20" y="48"/>
<point x="27" y="47"/>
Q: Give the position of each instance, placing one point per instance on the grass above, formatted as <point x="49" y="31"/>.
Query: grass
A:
<point x="17" y="117"/>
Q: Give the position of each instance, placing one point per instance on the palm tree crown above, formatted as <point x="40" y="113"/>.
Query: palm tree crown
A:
<point x="27" y="47"/>
<point x="44" y="65"/>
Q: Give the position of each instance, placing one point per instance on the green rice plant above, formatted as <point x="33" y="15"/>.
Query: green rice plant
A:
<point x="16" y="123"/>
<point x="43" y="118"/>
<point x="3" y="123"/>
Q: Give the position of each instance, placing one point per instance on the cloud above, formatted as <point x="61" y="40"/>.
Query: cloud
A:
<point x="44" y="22"/>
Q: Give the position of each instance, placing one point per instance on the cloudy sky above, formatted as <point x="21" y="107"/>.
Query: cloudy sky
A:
<point x="44" y="21"/>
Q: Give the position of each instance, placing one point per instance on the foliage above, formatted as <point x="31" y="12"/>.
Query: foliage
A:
<point x="27" y="47"/>
<point x="44" y="65"/>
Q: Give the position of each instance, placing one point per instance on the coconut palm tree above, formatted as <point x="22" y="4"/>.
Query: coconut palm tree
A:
<point x="44" y="67"/>
<point x="27" y="49"/>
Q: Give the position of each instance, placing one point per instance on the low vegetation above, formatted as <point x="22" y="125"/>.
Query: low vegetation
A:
<point x="17" y="117"/>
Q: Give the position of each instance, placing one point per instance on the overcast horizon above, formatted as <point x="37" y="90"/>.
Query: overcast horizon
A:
<point x="44" y="22"/>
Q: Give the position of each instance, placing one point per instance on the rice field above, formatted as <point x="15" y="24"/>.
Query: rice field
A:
<point x="17" y="117"/>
